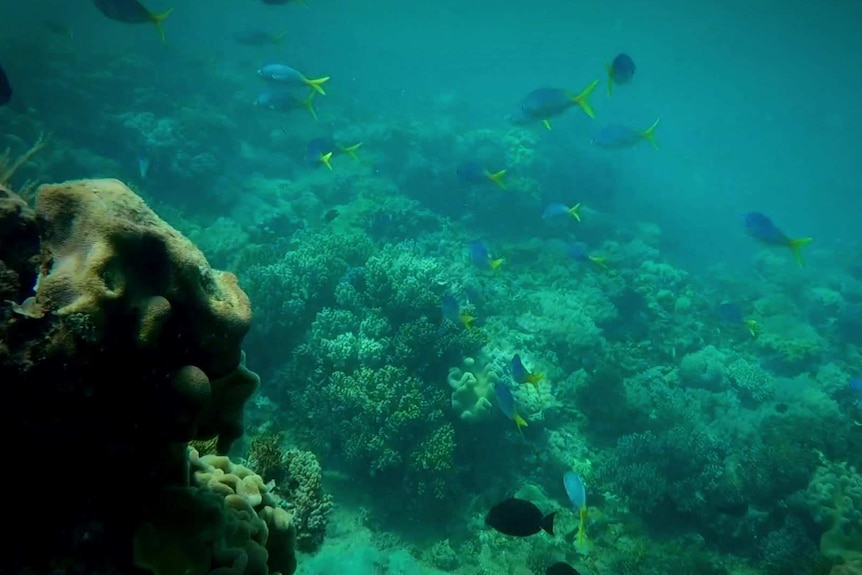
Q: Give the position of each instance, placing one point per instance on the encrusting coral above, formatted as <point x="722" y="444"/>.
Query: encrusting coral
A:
<point x="119" y="345"/>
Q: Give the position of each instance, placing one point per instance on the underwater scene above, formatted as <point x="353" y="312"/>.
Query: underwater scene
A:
<point x="319" y="287"/>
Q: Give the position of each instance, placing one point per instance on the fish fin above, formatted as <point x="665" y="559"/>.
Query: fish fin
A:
<point x="796" y="245"/>
<point x="547" y="124"/>
<point x="278" y="38"/>
<point x="467" y="320"/>
<point x="308" y="102"/>
<point x="315" y="84"/>
<point x="326" y="159"/>
<point x="520" y="423"/>
<point x="649" y="133"/>
<point x="610" y="71"/>
<point x="494" y="264"/>
<point x="158" y="18"/>
<point x="497" y="178"/>
<point x="351" y="150"/>
<point x="575" y="211"/>
<point x="599" y="261"/>
<point x="547" y="523"/>
<point x="582" y="99"/>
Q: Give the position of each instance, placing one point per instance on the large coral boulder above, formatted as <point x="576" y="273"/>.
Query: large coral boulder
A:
<point x="127" y="347"/>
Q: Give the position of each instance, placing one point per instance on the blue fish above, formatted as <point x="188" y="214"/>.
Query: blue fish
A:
<point x="319" y="151"/>
<point x="5" y="88"/>
<point x="579" y="252"/>
<point x="521" y="375"/>
<point x="452" y="311"/>
<point x="545" y="103"/>
<point x="285" y="100"/>
<point x="577" y="493"/>
<point x="506" y="401"/>
<point x="475" y="173"/>
<point x="856" y="388"/>
<point x="620" y="71"/>
<point x="554" y="210"/>
<point x="730" y="312"/>
<point x="480" y="255"/>
<point x="284" y="74"/>
<point x="617" y="137"/>
<point x="132" y="12"/>
<point x="760" y="227"/>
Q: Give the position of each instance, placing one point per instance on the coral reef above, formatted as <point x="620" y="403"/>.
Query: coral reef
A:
<point x="834" y="498"/>
<point x="126" y="346"/>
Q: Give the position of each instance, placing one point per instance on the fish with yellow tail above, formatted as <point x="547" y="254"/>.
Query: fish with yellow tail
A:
<point x="452" y="312"/>
<point x="760" y="227"/>
<point x="506" y="403"/>
<point x="287" y="76"/>
<point x="473" y="172"/>
<point x="522" y="375"/>
<point x="617" y="137"/>
<point x="620" y="71"/>
<point x="546" y="103"/>
<point x="481" y="256"/>
<point x="577" y="493"/>
<point x="132" y="12"/>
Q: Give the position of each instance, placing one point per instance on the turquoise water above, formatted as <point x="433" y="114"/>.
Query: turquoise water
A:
<point x="703" y="385"/>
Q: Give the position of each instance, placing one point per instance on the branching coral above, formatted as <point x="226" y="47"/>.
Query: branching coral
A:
<point x="752" y="382"/>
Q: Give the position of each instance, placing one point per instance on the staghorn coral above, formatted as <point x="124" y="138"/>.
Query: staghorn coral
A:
<point x="135" y="350"/>
<point x="228" y="522"/>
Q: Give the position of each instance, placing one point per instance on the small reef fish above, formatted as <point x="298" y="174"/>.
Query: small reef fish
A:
<point x="287" y="76"/>
<point x="143" y="166"/>
<point x="132" y="12"/>
<point x="521" y="375"/>
<point x="480" y="255"/>
<point x="258" y="38"/>
<point x="577" y="493"/>
<point x="507" y="405"/>
<point x="285" y="100"/>
<point x="620" y="71"/>
<point x="320" y="150"/>
<point x="730" y="312"/>
<point x="519" y="518"/>
<point x="561" y="568"/>
<point x="545" y="103"/>
<point x="475" y="173"/>
<point x="554" y="210"/>
<point x="760" y="227"/>
<point x="578" y="251"/>
<point x="330" y="215"/>
<point x="616" y="137"/>
<point x="452" y="312"/>
<point x="5" y="88"/>
<point x="856" y="388"/>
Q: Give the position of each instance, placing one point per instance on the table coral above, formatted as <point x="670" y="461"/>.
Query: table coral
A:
<point x="135" y="349"/>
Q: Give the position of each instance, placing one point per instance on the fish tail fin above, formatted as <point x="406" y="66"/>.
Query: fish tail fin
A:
<point x="583" y="101"/>
<point x="351" y="150"/>
<point x="278" y="38"/>
<point x="494" y="264"/>
<point x="308" y="102"/>
<point x="520" y="422"/>
<point x="547" y="523"/>
<point x="575" y="211"/>
<point x="326" y="159"/>
<point x="796" y="246"/>
<point x="610" y="71"/>
<point x="466" y="320"/>
<point x="535" y="378"/>
<point x="582" y="526"/>
<point x="158" y="18"/>
<point x="599" y="261"/>
<point x="546" y="124"/>
<point x="649" y="133"/>
<point x="316" y="83"/>
<point x="498" y="178"/>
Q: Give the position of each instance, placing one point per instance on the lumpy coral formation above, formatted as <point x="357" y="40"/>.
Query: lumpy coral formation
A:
<point x="120" y="344"/>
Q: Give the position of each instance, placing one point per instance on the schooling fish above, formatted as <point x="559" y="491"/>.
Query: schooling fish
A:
<point x="577" y="493"/>
<point x="761" y="228"/>
<point x="521" y="375"/>
<point x="5" y="88"/>
<point x="132" y="12"/>
<point x="283" y="74"/>
<point x="616" y="137"/>
<point x="319" y="151"/>
<point x="545" y="103"/>
<point x="856" y="389"/>
<point x="553" y="210"/>
<point x="519" y="518"/>
<point x="578" y="251"/>
<point x="475" y="173"/>
<point x="620" y="71"/>
<point x="285" y="100"/>
<point x="480" y="255"/>
<point x="452" y="312"/>
<point x="506" y="402"/>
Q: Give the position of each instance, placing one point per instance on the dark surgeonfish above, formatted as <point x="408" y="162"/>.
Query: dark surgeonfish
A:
<point x="620" y="71"/>
<point x="132" y="12"/>
<point x="5" y="88"/>
<point x="519" y="518"/>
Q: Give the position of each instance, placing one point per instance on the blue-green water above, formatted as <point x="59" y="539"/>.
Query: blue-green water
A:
<point x="699" y="380"/>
